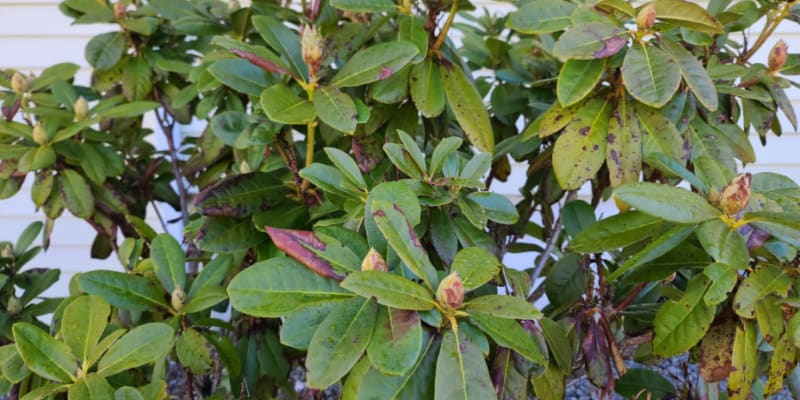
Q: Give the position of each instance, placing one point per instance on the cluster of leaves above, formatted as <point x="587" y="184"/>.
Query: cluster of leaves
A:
<point x="343" y="212"/>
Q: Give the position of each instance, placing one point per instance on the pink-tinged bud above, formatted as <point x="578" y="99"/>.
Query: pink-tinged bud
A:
<point x="374" y="262"/>
<point x="81" y="107"/>
<point x="312" y="43"/>
<point x="451" y="291"/>
<point x="18" y="84"/>
<point x="646" y="17"/>
<point x="777" y="56"/>
<point x="14" y="305"/>
<point x="39" y="134"/>
<point x="178" y="299"/>
<point x="736" y="195"/>
<point x="119" y="10"/>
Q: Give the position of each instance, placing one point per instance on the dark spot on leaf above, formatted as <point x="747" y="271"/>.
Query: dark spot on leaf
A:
<point x="584" y="131"/>
<point x="595" y="147"/>
<point x="385" y="73"/>
<point x="611" y="138"/>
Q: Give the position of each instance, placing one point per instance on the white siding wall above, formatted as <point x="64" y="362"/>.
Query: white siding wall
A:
<point x="34" y="34"/>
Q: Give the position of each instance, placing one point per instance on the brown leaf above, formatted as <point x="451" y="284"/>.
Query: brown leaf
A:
<point x="716" y="352"/>
<point x="294" y="242"/>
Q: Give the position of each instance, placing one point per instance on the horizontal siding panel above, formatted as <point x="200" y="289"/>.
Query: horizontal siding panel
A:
<point x="35" y="53"/>
<point x="44" y="20"/>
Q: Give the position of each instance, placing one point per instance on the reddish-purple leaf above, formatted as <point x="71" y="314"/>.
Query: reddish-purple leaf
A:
<point x="596" y="356"/>
<point x="294" y="242"/>
<point x="260" y="62"/>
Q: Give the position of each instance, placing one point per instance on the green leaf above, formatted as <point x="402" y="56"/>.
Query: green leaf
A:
<point x="643" y="382"/>
<point x="577" y="79"/>
<point x="375" y="63"/>
<point x="241" y="195"/>
<point x="661" y="132"/>
<point x="667" y="202"/>
<point x="467" y="106"/>
<point x="694" y="74"/>
<point x="550" y="385"/>
<point x="299" y="325"/>
<point x="591" y="40"/>
<point x="240" y="75"/>
<point x="396" y="341"/>
<point x="76" y="193"/>
<point x="745" y="361"/>
<point x="45" y="391"/>
<point x="44" y="355"/>
<point x="50" y="75"/>
<point x="83" y="323"/>
<point x="541" y="16"/>
<point x="212" y="275"/>
<point x="551" y="121"/>
<point x="461" y="371"/>
<point x="169" y="262"/>
<point x="412" y="29"/>
<point x="765" y="280"/>
<point x="624" y="148"/>
<point x="475" y="266"/>
<point x="415" y="384"/>
<point x="205" y="298"/>
<point x="336" y="109"/>
<point x="679" y="325"/>
<point x="347" y="166"/>
<point x="580" y="151"/>
<point x="511" y="307"/>
<point x="566" y="281"/>
<point x="141" y="345"/>
<point x="105" y="50"/>
<point x="650" y="75"/>
<point x="615" y="232"/>
<point x="390" y="290"/>
<point x="498" y="208"/>
<point x="440" y="153"/>
<point x="723" y="278"/>
<point x="283" y="40"/>
<point x="724" y="244"/>
<point x="92" y="387"/>
<point x="225" y="235"/>
<point x="399" y="233"/>
<point x="364" y="6"/>
<point x="339" y="342"/>
<point x="127" y="393"/>
<point x="283" y="105"/>
<point x="689" y="15"/>
<point x="391" y="90"/>
<point x="508" y="333"/>
<point x="655" y="249"/>
<point x="193" y="352"/>
<point x="132" y="292"/>
<point x="426" y="88"/>
<point x="277" y="286"/>
<point x="129" y="110"/>
<point x="136" y="79"/>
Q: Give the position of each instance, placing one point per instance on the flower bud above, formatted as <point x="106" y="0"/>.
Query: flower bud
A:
<point x="14" y="305"/>
<point x="777" y="56"/>
<point x="311" y="43"/>
<point x="736" y="195"/>
<point x="451" y="291"/>
<point x="81" y="107"/>
<point x="39" y="134"/>
<point x="646" y="17"/>
<point x="119" y="10"/>
<point x="18" y="84"/>
<point x="374" y="262"/>
<point x="178" y="299"/>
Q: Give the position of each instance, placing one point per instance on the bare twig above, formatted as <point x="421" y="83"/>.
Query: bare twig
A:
<point x="551" y="241"/>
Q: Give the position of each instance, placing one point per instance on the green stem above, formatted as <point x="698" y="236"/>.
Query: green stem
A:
<point x="443" y="33"/>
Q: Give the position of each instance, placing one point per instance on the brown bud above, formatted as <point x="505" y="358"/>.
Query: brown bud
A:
<point x="178" y="299"/>
<point x="646" y="17"/>
<point x="311" y="43"/>
<point x="374" y="262"/>
<point x="81" y="107"/>
<point x="777" y="56"/>
<point x="39" y="134"/>
<point x="119" y="10"/>
<point x="736" y="195"/>
<point x="18" y="84"/>
<point x="451" y="291"/>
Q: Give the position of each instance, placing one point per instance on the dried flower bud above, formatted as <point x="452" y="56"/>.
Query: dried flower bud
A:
<point x="14" y="305"/>
<point x="777" y="56"/>
<point x="312" y="44"/>
<point x="451" y="291"/>
<point x="119" y="10"/>
<point x="39" y="134"/>
<point x="81" y="107"/>
<point x="18" y="84"/>
<point x="736" y="195"/>
<point x="374" y="262"/>
<point x="178" y="299"/>
<point x="646" y="17"/>
<point x="7" y="250"/>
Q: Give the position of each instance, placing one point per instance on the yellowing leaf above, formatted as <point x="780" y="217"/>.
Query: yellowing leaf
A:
<point x="468" y="108"/>
<point x="580" y="151"/>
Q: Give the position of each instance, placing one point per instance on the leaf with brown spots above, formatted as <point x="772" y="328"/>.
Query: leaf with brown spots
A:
<point x="580" y="151"/>
<point x="715" y="352"/>
<point x="624" y="149"/>
<point x="240" y="195"/>
<point x="299" y="245"/>
<point x="396" y="341"/>
<point x="783" y="362"/>
<point x="745" y="362"/>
